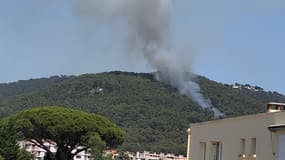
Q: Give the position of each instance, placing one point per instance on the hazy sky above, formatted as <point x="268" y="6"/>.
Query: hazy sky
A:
<point x="231" y="40"/>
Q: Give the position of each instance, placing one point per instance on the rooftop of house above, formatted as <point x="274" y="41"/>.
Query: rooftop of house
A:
<point x="275" y="103"/>
<point x="238" y="118"/>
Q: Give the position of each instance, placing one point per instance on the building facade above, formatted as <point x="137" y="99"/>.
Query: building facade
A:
<point x="254" y="137"/>
<point x="39" y="153"/>
<point x="155" y="156"/>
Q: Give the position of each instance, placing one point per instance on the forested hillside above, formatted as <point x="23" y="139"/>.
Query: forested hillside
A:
<point x="155" y="116"/>
<point x="26" y="86"/>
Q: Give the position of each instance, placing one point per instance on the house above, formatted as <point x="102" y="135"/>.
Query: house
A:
<point x="253" y="137"/>
<point x="155" y="156"/>
<point x="39" y="153"/>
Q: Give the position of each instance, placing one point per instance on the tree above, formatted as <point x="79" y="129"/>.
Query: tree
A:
<point x="24" y="155"/>
<point x="97" y="146"/>
<point x="8" y="143"/>
<point x="68" y="128"/>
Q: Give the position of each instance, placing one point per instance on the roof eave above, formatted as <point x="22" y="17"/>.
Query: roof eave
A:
<point x="274" y="128"/>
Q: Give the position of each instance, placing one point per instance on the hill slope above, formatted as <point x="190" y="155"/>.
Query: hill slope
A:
<point x="26" y="86"/>
<point x="155" y="116"/>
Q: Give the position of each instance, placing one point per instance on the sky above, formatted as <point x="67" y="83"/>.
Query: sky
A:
<point x="229" y="41"/>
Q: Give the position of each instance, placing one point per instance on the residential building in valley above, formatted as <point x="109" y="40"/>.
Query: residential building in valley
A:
<point x="39" y="153"/>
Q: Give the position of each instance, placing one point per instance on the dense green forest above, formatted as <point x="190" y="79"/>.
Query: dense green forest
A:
<point x="154" y="115"/>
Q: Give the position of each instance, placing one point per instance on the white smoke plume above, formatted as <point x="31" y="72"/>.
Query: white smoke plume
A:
<point x="148" y="30"/>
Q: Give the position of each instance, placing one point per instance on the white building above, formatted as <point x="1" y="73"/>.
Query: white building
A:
<point x="39" y="153"/>
<point x="156" y="156"/>
<point x="253" y="137"/>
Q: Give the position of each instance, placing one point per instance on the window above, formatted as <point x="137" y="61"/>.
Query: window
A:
<point x="203" y="147"/>
<point x="253" y="148"/>
<point x="216" y="151"/>
<point x="242" y="148"/>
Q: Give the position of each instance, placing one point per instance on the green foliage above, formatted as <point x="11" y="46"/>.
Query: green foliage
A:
<point x="25" y="86"/>
<point x="96" y="146"/>
<point x="107" y="157"/>
<point x="237" y="102"/>
<point x="68" y="128"/>
<point x="155" y="116"/>
<point x="122" y="156"/>
<point x="24" y="155"/>
<point x="1" y="158"/>
<point x="8" y="143"/>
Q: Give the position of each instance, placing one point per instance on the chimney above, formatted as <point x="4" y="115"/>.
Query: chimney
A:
<point x="275" y="107"/>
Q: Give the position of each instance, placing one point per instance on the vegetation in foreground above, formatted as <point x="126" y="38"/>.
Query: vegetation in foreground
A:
<point x="68" y="128"/>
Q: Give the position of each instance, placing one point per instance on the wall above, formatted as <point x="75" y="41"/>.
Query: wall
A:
<point x="230" y="132"/>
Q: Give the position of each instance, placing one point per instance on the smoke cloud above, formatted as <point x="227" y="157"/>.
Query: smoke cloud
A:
<point x="148" y="32"/>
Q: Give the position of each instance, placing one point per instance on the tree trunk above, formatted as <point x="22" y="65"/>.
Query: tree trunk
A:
<point x="62" y="155"/>
<point x="49" y="156"/>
